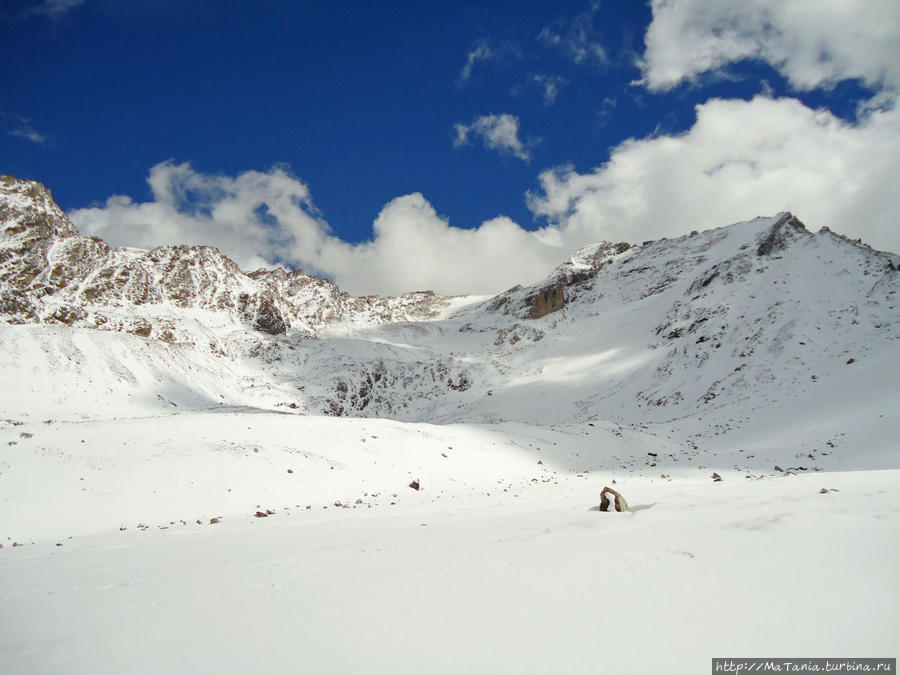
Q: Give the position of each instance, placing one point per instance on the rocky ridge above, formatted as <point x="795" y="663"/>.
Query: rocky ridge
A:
<point x="52" y="274"/>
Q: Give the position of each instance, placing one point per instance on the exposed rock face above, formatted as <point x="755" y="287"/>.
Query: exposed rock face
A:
<point x="50" y="273"/>
<point x="564" y="285"/>
<point x="547" y="300"/>
<point x="782" y="233"/>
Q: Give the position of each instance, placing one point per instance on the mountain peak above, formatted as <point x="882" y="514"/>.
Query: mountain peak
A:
<point x="28" y="212"/>
<point x="787" y="227"/>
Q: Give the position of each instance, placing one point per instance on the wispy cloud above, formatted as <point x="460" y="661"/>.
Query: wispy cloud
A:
<point x="25" y="130"/>
<point x="576" y="37"/>
<point x="54" y="8"/>
<point x="481" y="51"/>
<point x="550" y="86"/>
<point x="605" y="111"/>
<point x="497" y="132"/>
<point x="484" y="51"/>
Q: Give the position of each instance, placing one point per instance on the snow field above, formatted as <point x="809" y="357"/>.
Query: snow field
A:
<point x="532" y="585"/>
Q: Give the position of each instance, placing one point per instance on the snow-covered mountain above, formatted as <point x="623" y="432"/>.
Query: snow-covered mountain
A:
<point x="719" y="323"/>
<point x="224" y="470"/>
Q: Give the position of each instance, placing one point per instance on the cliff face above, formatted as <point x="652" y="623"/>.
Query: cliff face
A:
<point x="569" y="281"/>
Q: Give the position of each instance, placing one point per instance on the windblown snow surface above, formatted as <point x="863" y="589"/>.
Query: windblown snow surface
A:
<point x="132" y="471"/>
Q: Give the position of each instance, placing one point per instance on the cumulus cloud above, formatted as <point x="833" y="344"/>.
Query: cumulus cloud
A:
<point x="256" y="218"/>
<point x="497" y="132"/>
<point x="740" y="159"/>
<point x="813" y="43"/>
<point x="268" y="218"/>
<point x="414" y="248"/>
<point x="576" y="37"/>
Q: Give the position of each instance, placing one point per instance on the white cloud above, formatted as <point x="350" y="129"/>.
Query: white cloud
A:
<point x="414" y="248"/>
<point x="740" y="159"/>
<point x="234" y="214"/>
<point x="55" y="8"/>
<point x="481" y="51"/>
<point x="28" y="132"/>
<point x="497" y="132"/>
<point x="551" y="86"/>
<point x="268" y="218"/>
<point x="814" y="43"/>
<point x="577" y="37"/>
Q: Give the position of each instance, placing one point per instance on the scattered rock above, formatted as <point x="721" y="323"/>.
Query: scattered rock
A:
<point x="778" y="468"/>
<point x="716" y="478"/>
<point x="414" y="485"/>
<point x="618" y="500"/>
<point x="849" y="361"/>
<point x="261" y="514"/>
<point x="213" y="521"/>
<point x="290" y="471"/>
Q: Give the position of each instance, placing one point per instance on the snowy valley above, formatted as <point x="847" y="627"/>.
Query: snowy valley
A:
<point x="209" y="470"/>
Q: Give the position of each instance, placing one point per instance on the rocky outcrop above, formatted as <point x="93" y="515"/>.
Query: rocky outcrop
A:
<point x="566" y="283"/>
<point x="547" y="300"/>
<point x="618" y="501"/>
<point x="786" y="229"/>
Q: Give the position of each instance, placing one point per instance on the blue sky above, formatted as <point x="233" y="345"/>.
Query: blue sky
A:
<point x="460" y="146"/>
